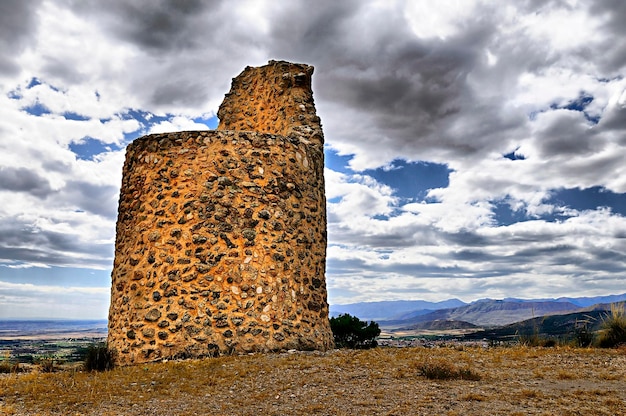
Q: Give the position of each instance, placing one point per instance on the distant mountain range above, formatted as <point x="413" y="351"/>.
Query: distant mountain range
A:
<point x="489" y="313"/>
<point x="397" y="309"/>
<point x="482" y="313"/>
<point x="582" y="302"/>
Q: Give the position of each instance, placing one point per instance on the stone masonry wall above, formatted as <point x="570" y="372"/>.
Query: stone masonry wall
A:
<point x="221" y="235"/>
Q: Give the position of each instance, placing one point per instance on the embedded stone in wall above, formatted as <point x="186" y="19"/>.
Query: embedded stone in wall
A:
<point x="221" y="235"/>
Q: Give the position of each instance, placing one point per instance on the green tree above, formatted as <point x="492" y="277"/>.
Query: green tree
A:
<point x="350" y="332"/>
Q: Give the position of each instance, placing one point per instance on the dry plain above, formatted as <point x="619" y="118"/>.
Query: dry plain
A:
<point x="382" y="381"/>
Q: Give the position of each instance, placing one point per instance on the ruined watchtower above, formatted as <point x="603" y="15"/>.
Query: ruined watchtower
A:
<point x="221" y="235"/>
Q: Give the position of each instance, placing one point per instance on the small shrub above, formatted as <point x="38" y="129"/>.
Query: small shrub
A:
<point x="437" y="371"/>
<point x="350" y="332"/>
<point x="9" y="367"/>
<point x="613" y="327"/>
<point x="443" y="370"/>
<point x="468" y="374"/>
<point x="46" y="364"/>
<point x="549" y="343"/>
<point x="535" y="340"/>
<point x="99" y="358"/>
<point x="583" y="336"/>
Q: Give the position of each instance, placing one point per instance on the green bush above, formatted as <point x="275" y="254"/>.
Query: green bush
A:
<point x="99" y="358"/>
<point x="350" y="332"/>
<point x="613" y="332"/>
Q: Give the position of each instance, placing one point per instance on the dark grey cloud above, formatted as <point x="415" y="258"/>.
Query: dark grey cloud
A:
<point x="188" y="49"/>
<point x="22" y="242"/>
<point x="380" y="271"/>
<point x="413" y="90"/>
<point x="319" y="32"/>
<point x="568" y="135"/>
<point x="24" y="180"/>
<point x="465" y="238"/>
<point x="396" y="238"/>
<point x="157" y="26"/>
<point x="58" y="68"/>
<point x="614" y="11"/>
<point x="95" y="199"/>
<point x="615" y="119"/>
<point x="594" y="170"/>
<point x="18" y="22"/>
<point x="180" y="89"/>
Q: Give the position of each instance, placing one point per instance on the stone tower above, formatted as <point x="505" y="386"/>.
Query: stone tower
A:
<point x="221" y="235"/>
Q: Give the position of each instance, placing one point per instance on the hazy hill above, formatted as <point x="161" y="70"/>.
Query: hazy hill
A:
<point x="489" y="313"/>
<point x="545" y="326"/>
<point x="582" y="301"/>
<point x="391" y="309"/>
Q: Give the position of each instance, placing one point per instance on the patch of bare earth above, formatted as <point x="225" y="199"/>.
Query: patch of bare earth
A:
<point x="382" y="381"/>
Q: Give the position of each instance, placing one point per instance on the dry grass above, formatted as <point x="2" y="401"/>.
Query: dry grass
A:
<point x="9" y="367"/>
<point x="382" y="381"/>
<point x="444" y="369"/>
<point x="613" y="332"/>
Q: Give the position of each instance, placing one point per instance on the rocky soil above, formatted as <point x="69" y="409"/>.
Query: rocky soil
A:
<point x="383" y="381"/>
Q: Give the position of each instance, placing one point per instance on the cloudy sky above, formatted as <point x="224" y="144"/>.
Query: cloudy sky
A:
<point x="473" y="148"/>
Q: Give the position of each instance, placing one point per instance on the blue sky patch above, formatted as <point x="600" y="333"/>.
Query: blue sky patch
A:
<point x="412" y="180"/>
<point x="504" y="215"/>
<point x="589" y="199"/>
<point x="15" y="94"/>
<point x="336" y="162"/>
<point x="70" y="115"/>
<point x="37" y="109"/>
<point x="210" y="122"/>
<point x="90" y="147"/>
<point x="514" y="155"/>
<point x="144" y="117"/>
<point x="33" y="83"/>
<point x="573" y="198"/>
<point x="579" y="104"/>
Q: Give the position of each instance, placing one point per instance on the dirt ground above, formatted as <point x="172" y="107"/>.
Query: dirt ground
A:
<point x="382" y="381"/>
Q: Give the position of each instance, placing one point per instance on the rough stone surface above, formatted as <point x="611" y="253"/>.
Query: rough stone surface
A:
<point x="221" y="235"/>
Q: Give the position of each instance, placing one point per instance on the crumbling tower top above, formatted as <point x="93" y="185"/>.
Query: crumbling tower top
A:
<point x="276" y="98"/>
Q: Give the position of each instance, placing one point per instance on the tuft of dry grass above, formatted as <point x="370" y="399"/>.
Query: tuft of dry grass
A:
<point x="613" y="332"/>
<point x="565" y="375"/>
<point x="47" y="365"/>
<point x="7" y="367"/>
<point x="474" y="397"/>
<point x="529" y="394"/>
<point x="442" y="369"/>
